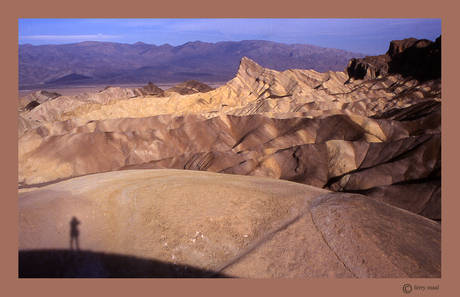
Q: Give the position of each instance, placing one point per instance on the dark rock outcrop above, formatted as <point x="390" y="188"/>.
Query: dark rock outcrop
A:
<point x="150" y="89"/>
<point x="420" y="59"/>
<point x="31" y="105"/>
<point x="190" y="87"/>
<point x="369" y="67"/>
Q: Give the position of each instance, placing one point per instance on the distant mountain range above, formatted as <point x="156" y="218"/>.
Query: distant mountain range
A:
<point x="116" y="63"/>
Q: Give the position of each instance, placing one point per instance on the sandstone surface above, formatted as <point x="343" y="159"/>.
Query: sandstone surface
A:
<point x="191" y="224"/>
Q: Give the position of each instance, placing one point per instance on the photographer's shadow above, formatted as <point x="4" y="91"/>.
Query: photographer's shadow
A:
<point x="74" y="234"/>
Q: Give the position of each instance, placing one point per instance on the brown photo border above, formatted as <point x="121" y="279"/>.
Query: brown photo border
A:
<point x="13" y="286"/>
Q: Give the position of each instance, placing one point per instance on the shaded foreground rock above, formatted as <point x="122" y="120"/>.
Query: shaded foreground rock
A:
<point x="361" y="231"/>
<point x="225" y="225"/>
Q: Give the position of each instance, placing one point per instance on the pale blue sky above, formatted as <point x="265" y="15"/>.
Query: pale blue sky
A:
<point x="368" y="36"/>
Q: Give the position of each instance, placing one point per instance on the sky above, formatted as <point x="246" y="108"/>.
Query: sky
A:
<point x="367" y="36"/>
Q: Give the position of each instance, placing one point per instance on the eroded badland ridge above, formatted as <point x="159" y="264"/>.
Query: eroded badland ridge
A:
<point x="303" y="157"/>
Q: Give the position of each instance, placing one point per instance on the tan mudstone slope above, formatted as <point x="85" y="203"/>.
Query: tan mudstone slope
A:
<point x="361" y="146"/>
<point x="208" y="224"/>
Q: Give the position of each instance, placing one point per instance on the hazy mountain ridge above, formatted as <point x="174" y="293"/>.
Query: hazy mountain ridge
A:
<point x="109" y="63"/>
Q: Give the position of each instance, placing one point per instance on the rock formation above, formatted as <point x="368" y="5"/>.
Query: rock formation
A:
<point x="360" y="145"/>
<point x="200" y="224"/>
<point x="31" y="101"/>
<point x="410" y="57"/>
<point x="190" y="87"/>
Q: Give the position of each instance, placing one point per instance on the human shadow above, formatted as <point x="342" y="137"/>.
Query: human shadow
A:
<point x="74" y="234"/>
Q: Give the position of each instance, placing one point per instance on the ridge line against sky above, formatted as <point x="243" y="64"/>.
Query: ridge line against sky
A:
<point x="367" y="36"/>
